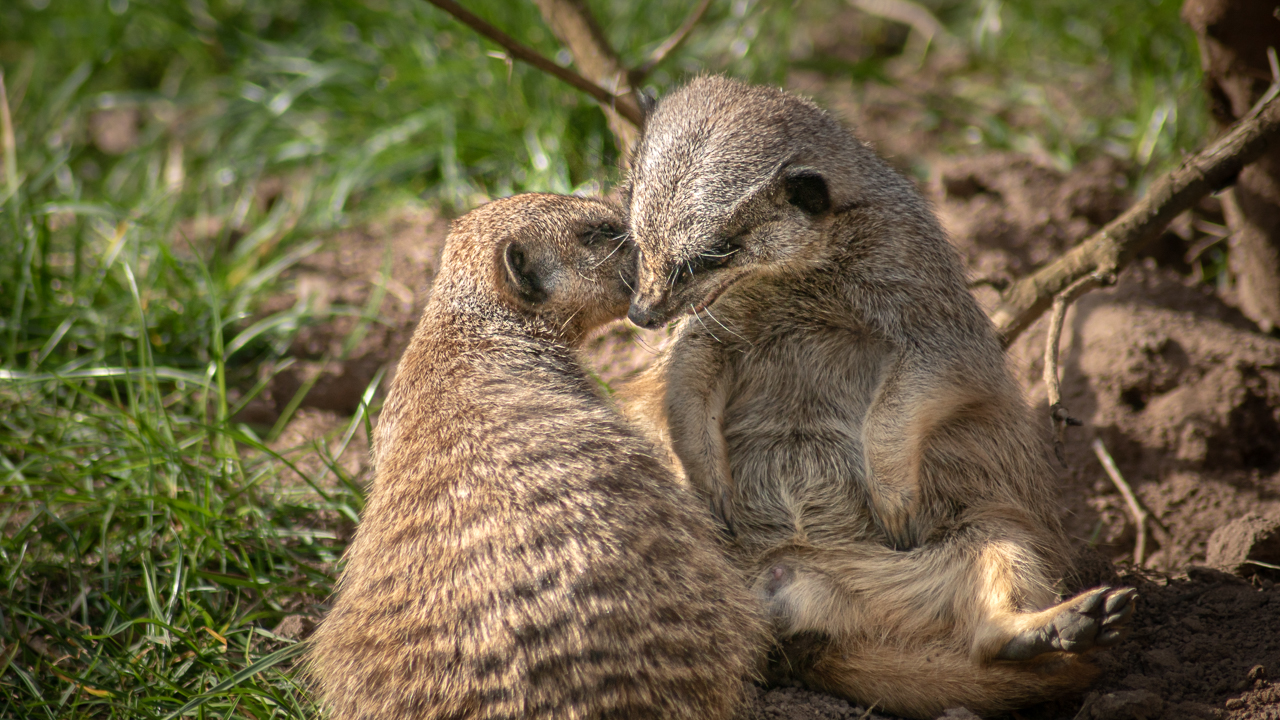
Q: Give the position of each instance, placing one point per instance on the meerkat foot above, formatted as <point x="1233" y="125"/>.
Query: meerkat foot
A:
<point x="1093" y="619"/>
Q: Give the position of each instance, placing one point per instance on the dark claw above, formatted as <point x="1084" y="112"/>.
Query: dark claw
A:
<point x="1116" y="618"/>
<point x="1091" y="603"/>
<point x="1123" y="597"/>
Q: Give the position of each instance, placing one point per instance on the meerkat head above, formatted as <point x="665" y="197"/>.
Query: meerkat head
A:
<point x="564" y="261"/>
<point x="731" y="180"/>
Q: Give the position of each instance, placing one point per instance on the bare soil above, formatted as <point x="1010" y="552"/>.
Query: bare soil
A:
<point x="1182" y="390"/>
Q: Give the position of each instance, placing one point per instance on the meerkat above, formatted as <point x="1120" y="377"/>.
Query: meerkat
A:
<point x="844" y="405"/>
<point x="523" y="553"/>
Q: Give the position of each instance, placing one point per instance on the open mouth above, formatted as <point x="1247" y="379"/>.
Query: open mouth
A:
<point x="715" y="293"/>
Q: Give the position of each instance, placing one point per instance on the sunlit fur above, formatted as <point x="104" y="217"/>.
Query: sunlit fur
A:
<point x="846" y="410"/>
<point x="523" y="554"/>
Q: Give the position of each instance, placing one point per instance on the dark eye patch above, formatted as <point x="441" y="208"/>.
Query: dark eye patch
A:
<point x="598" y="233"/>
<point x="721" y="253"/>
<point x="714" y="256"/>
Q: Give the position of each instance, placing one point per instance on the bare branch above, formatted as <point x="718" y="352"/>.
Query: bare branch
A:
<point x="1109" y="250"/>
<point x="625" y="107"/>
<point x="670" y="45"/>
<point x="573" y="24"/>
<point x="1059" y="417"/>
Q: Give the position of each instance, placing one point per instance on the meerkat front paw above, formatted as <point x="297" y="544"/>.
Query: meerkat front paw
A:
<point x="1095" y="618"/>
<point x="722" y="511"/>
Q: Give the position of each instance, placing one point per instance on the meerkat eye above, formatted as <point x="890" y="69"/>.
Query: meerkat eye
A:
<point x="721" y="253"/>
<point x="596" y="234"/>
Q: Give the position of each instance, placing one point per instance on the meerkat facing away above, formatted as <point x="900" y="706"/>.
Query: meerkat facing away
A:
<point x="844" y="405"/>
<point x="523" y="554"/>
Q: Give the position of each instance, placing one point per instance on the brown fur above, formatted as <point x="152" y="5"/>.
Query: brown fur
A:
<point x="844" y="405"/>
<point x="522" y="554"/>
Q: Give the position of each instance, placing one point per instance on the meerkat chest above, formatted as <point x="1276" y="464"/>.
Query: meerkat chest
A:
<point x="794" y="414"/>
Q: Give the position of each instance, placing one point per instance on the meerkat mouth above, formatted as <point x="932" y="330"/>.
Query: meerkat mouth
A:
<point x="716" y="292"/>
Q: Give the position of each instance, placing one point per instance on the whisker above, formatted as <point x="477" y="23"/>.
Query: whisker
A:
<point x="611" y="254"/>
<point x="726" y="327"/>
<point x="646" y="346"/>
<point x="704" y="325"/>
<point x="569" y="319"/>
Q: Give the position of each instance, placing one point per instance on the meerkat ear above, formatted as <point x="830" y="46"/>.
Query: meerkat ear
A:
<point x="807" y="190"/>
<point x="521" y="277"/>
<point x="647" y="101"/>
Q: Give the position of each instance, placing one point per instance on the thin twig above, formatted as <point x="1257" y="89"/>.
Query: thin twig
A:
<point x="573" y="24"/>
<point x="629" y="110"/>
<point x="1141" y="515"/>
<point x="1058" y="415"/>
<point x="1109" y="250"/>
<point x="10" y="145"/>
<point x="670" y="45"/>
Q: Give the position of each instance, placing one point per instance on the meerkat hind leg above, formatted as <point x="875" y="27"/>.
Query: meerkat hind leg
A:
<point x="971" y="590"/>
<point x="1092" y="619"/>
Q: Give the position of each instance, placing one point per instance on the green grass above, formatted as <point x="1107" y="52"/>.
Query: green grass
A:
<point x="149" y="542"/>
<point x="1073" y="80"/>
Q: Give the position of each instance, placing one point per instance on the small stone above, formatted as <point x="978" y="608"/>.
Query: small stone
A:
<point x="958" y="713"/>
<point x="295" y="627"/>
<point x="1128" y="705"/>
<point x="1238" y="545"/>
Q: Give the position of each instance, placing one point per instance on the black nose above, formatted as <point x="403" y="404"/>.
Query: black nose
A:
<point x="643" y="316"/>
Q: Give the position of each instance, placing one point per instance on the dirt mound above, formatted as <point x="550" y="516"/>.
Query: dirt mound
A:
<point x="1202" y="646"/>
<point x="1184" y="396"/>
<point x="1008" y="213"/>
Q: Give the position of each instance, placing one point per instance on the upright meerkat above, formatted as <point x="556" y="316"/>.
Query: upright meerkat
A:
<point x="523" y="554"/>
<point x="843" y="403"/>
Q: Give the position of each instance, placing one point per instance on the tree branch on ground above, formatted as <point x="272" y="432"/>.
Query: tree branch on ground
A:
<point x="1111" y="249"/>
<point x="926" y="27"/>
<point x="1139" y="511"/>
